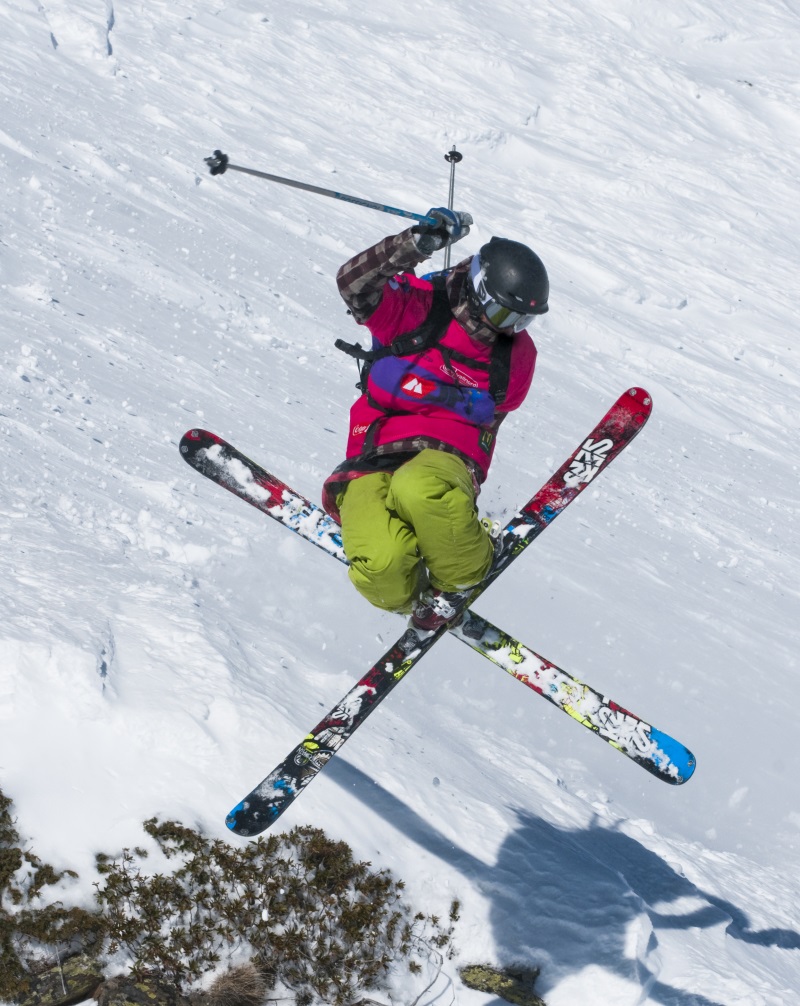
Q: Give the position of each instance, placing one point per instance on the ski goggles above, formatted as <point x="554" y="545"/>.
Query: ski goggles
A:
<point x="496" y="313"/>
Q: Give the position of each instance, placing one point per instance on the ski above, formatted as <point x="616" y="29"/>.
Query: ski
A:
<point x="649" y="747"/>
<point x="217" y="460"/>
<point x="222" y="463"/>
<point x="654" y="750"/>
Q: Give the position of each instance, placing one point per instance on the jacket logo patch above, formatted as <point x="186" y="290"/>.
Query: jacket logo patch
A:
<point x="460" y="375"/>
<point x="419" y="387"/>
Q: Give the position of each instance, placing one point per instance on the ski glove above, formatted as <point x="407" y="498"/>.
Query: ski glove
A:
<point x="450" y="227"/>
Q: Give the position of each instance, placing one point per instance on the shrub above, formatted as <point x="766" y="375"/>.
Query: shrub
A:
<point x="308" y="915"/>
<point x="313" y="918"/>
<point x="26" y="923"/>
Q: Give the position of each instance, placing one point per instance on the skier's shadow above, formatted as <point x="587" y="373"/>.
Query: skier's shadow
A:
<point x="549" y="884"/>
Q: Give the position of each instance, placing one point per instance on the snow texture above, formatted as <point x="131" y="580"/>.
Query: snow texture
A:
<point x="163" y="645"/>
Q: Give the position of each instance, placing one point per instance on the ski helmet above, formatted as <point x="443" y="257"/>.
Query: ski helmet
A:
<point x="509" y="284"/>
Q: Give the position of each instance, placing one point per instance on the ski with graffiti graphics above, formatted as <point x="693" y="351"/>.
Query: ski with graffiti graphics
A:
<point x="222" y="463"/>
<point x="260" y="808"/>
<point x="649" y="747"/>
<point x="654" y="750"/>
<point x="218" y="461"/>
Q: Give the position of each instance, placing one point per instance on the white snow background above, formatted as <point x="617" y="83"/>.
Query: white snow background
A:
<point x="163" y="645"/>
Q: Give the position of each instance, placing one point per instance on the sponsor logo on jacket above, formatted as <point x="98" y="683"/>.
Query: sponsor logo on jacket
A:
<point x="462" y="378"/>
<point x="419" y="387"/>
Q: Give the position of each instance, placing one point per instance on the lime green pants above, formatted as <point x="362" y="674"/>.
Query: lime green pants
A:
<point x="415" y="525"/>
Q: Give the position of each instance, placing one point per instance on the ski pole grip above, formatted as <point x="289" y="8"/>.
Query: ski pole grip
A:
<point x="217" y="163"/>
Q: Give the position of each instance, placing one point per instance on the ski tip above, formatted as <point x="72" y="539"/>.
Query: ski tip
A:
<point x="642" y="397"/>
<point x="192" y="438"/>
<point x="256" y="812"/>
<point x="678" y="762"/>
<point x="687" y="770"/>
<point x="232" y="820"/>
<point x="243" y="823"/>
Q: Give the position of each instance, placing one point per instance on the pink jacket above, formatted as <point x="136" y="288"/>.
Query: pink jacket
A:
<point x="437" y="398"/>
<point x="427" y="395"/>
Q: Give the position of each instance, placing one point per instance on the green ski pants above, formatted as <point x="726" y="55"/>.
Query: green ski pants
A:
<point x="395" y="525"/>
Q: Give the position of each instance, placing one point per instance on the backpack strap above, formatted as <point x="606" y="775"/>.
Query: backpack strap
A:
<point x="428" y="334"/>
<point x="423" y="337"/>
<point x="500" y="368"/>
<point x="500" y="364"/>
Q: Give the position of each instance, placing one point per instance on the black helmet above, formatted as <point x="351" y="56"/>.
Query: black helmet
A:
<point x="509" y="283"/>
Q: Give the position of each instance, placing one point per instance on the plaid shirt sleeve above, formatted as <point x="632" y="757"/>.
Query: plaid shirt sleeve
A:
<point x="361" y="280"/>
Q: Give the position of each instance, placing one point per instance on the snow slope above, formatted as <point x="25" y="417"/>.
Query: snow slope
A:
<point x="163" y="645"/>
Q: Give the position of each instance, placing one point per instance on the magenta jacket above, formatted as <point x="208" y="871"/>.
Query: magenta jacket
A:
<point x="429" y="399"/>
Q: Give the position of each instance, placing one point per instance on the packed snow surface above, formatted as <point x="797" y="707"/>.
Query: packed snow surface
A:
<point x="163" y="645"/>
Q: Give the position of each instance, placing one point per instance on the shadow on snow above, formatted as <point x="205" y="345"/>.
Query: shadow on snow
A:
<point x="549" y="884"/>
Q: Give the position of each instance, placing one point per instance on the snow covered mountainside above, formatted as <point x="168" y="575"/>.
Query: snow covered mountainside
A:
<point x="162" y="645"/>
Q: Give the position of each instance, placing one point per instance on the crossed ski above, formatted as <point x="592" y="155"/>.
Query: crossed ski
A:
<point x="654" y="750"/>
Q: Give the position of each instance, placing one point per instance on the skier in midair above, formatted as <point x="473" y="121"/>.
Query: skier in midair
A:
<point x="450" y="358"/>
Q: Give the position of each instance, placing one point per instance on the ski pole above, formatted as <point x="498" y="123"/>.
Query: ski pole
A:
<point x="453" y="157"/>
<point x="218" y="164"/>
